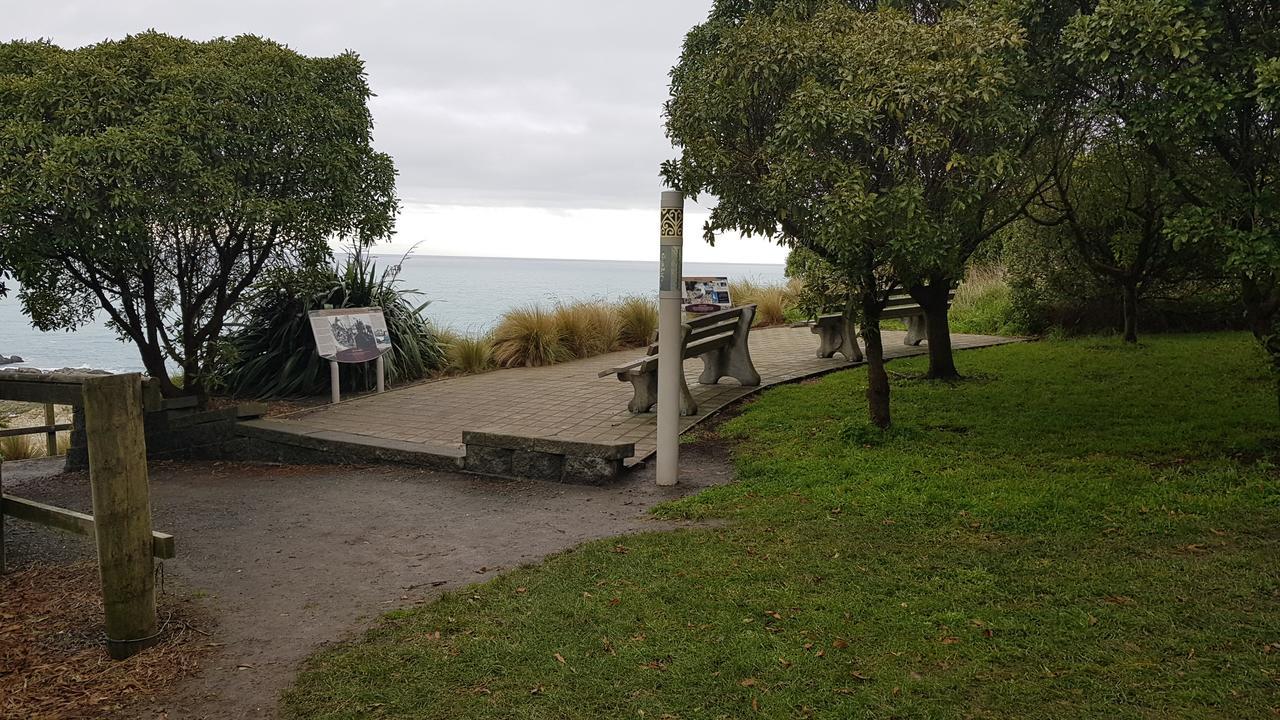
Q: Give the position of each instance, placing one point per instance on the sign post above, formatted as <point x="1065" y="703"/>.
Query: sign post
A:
<point x="670" y="362"/>
<point x="350" y="335"/>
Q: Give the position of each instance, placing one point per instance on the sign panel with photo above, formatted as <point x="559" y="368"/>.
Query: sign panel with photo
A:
<point x="706" y="294"/>
<point x="350" y="335"/>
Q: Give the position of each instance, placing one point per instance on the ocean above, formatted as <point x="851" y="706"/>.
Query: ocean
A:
<point x="466" y="294"/>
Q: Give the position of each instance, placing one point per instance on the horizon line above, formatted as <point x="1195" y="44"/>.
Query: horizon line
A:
<point x="564" y="259"/>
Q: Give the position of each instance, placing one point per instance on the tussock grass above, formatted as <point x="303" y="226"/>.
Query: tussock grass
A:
<point x="466" y="353"/>
<point x="588" y="329"/>
<point x="638" y="320"/>
<point x="772" y="300"/>
<point x="20" y="447"/>
<point x="529" y="336"/>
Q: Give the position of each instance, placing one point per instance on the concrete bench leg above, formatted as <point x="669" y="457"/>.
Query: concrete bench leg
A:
<point x="645" y="396"/>
<point x="735" y="360"/>
<point x="830" y="340"/>
<point x="916" y="333"/>
<point x="838" y="338"/>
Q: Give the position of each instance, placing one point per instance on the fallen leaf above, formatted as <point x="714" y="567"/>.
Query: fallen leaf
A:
<point x="560" y="658"/>
<point x="840" y="644"/>
<point x="859" y="676"/>
<point x="621" y="549"/>
<point x="748" y="682"/>
<point x="950" y="640"/>
<point x="521" y="590"/>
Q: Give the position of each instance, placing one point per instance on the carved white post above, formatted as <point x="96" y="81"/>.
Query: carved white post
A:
<point x="670" y="362"/>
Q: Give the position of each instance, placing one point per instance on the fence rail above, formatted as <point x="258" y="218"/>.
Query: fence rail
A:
<point x="49" y="429"/>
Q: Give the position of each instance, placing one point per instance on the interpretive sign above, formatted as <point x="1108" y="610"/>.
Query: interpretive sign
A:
<point x="706" y="294"/>
<point x="350" y="335"/>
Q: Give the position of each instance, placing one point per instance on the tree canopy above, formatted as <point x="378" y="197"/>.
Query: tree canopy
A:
<point x="1197" y="85"/>
<point x="153" y="178"/>
<point x="850" y="132"/>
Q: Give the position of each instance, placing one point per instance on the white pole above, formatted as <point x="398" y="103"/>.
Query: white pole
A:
<point x="335" y="390"/>
<point x="670" y="363"/>
<point x="382" y="382"/>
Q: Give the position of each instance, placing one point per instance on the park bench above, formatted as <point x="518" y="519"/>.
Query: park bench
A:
<point x="719" y="338"/>
<point x="833" y="336"/>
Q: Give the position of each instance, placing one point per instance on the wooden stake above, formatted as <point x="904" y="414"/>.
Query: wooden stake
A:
<point x="121" y="510"/>
<point x="51" y="438"/>
<point x="2" y="570"/>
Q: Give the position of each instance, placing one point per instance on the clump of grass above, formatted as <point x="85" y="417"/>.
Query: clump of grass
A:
<point x="983" y="303"/>
<point x="638" y="320"/>
<point x="771" y="300"/>
<point x="588" y="329"/>
<point x="19" y="447"/>
<point x="529" y="336"/>
<point x="466" y="353"/>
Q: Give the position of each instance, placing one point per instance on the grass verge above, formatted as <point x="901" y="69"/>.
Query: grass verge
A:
<point x="1080" y="530"/>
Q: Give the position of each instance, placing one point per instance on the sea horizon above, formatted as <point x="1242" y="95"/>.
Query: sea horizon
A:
<point x="466" y="294"/>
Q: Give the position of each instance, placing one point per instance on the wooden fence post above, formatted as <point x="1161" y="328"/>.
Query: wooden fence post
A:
<point x="121" y="510"/>
<point x="51" y="437"/>
<point x="2" y="566"/>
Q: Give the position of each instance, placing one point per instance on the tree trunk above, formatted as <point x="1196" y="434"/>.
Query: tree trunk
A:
<point x="1262" y="311"/>
<point x="877" y="376"/>
<point x="932" y="298"/>
<point x="1130" y="311"/>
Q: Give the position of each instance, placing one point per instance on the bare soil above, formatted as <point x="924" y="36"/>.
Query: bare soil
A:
<point x="286" y="559"/>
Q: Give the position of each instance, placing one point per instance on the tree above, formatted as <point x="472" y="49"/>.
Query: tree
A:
<point x="813" y="123"/>
<point x="1197" y="85"/>
<point x="1109" y="203"/>
<point x="154" y="178"/>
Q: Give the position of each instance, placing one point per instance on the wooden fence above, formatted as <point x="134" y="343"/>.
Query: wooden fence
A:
<point x="51" y="428"/>
<point x="121" y="520"/>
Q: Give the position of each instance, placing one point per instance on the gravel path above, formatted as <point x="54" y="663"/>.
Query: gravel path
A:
<point x="289" y="558"/>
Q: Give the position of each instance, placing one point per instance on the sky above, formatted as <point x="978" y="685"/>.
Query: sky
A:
<point x="519" y="129"/>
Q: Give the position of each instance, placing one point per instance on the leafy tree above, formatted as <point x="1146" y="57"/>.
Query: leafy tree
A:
<point x="826" y="126"/>
<point x="154" y="178"/>
<point x="1197" y="84"/>
<point x="1110" y="204"/>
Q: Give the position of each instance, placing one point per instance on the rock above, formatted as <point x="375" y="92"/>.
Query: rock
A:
<point x="10" y="359"/>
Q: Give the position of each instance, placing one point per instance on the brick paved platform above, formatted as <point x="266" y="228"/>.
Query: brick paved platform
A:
<point x="567" y="401"/>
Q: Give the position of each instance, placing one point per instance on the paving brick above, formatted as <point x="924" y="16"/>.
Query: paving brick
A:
<point x="568" y="401"/>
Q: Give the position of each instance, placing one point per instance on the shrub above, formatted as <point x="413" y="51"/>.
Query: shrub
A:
<point x="638" y="320"/>
<point x="529" y="336"/>
<point x="588" y="329"/>
<point x="19" y="447"/>
<point x="984" y="303"/>
<point x="272" y="352"/>
<point x="466" y="353"/>
<point x="1051" y="288"/>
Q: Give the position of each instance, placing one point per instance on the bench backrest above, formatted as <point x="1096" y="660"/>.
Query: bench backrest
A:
<point x="900" y="301"/>
<point x="710" y="325"/>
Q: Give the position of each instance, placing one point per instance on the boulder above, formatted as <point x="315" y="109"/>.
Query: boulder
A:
<point x="10" y="359"/>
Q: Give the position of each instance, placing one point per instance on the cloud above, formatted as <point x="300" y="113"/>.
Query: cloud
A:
<point x="529" y="104"/>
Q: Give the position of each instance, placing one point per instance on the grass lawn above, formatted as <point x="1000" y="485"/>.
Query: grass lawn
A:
<point x="1081" y="530"/>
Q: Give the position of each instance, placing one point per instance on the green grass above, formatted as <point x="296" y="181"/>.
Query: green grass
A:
<point x="1081" y="530"/>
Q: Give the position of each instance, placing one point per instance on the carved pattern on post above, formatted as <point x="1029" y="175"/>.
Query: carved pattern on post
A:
<point x="672" y="222"/>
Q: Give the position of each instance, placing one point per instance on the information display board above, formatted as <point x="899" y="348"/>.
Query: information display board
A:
<point x="706" y="294"/>
<point x="350" y="335"/>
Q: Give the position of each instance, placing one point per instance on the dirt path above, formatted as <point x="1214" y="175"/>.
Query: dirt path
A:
<point x="289" y="558"/>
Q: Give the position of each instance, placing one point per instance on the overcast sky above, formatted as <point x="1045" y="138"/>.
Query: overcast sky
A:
<point x="520" y="129"/>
